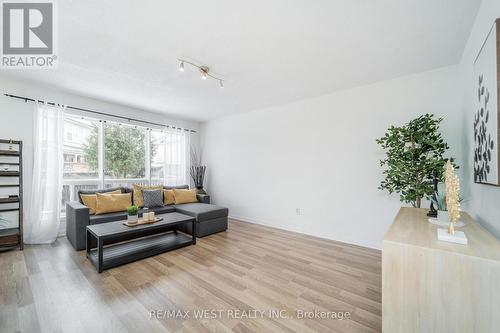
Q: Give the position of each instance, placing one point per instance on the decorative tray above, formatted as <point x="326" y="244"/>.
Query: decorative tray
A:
<point x="142" y="222"/>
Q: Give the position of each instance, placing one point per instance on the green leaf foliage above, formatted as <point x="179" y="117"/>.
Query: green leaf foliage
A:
<point x="132" y="210"/>
<point x="439" y="200"/>
<point x="414" y="152"/>
<point x="124" y="149"/>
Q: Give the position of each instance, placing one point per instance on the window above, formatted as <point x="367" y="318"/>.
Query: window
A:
<point x="68" y="158"/>
<point x="157" y="153"/>
<point x="124" y="155"/>
<point x="176" y="157"/>
<point x="79" y="173"/>
<point x="101" y="154"/>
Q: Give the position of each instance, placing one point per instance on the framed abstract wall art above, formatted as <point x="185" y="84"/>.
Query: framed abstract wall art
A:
<point x="487" y="118"/>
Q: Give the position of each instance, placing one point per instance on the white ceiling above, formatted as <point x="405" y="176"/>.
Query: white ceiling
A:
<point x="270" y="52"/>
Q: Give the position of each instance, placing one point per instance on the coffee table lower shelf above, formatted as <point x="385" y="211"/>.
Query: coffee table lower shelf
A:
<point x="123" y="253"/>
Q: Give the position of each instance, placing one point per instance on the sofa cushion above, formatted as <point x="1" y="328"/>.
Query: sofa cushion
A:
<point x="179" y="187"/>
<point x="182" y="196"/>
<point x="106" y="190"/>
<point x="90" y="200"/>
<point x="160" y="210"/>
<point x="153" y="198"/>
<point x="138" y="198"/>
<point x="110" y="217"/>
<point x="202" y="211"/>
<point x="111" y="203"/>
<point x="168" y="197"/>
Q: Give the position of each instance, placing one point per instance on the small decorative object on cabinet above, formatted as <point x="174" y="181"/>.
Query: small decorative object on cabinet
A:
<point x="432" y="211"/>
<point x="439" y="203"/>
<point x="452" y="185"/>
<point x="11" y="194"/>
<point x="442" y="217"/>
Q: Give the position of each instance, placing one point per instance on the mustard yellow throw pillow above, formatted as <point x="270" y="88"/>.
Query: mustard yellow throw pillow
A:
<point x="168" y="197"/>
<point x="138" y="198"/>
<point x="111" y="203"/>
<point x="184" y="196"/>
<point x="90" y="200"/>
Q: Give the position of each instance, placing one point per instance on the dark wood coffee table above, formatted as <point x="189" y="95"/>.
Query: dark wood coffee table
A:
<point x="118" y="244"/>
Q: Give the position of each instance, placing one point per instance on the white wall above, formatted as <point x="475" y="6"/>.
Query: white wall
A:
<point x="16" y="118"/>
<point x="320" y="155"/>
<point x="482" y="200"/>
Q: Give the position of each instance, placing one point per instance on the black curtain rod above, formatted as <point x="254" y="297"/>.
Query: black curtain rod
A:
<point x="26" y="99"/>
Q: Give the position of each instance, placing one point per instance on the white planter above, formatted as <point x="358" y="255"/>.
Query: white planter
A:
<point x="132" y="218"/>
<point x="443" y="216"/>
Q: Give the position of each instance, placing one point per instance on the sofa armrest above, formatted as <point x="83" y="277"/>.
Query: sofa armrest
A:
<point x="77" y="219"/>
<point x="203" y="198"/>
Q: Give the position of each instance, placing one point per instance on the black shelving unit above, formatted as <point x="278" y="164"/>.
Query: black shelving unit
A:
<point x="12" y="237"/>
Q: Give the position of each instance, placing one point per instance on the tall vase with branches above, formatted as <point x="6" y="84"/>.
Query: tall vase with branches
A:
<point x="414" y="156"/>
<point x="197" y="170"/>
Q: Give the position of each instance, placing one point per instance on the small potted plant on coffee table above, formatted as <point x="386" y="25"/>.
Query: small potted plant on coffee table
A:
<point x="133" y="214"/>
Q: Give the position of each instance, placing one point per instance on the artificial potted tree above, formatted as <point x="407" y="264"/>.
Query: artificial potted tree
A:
<point x="414" y="156"/>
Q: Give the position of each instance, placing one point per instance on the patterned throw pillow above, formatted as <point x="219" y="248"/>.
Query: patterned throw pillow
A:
<point x="152" y="198"/>
<point x="138" y="188"/>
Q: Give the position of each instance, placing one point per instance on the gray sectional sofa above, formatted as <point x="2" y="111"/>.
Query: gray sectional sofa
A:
<point x="210" y="218"/>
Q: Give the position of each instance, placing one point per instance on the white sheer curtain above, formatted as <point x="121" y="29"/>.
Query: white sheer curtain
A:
<point x="42" y="224"/>
<point x="177" y="161"/>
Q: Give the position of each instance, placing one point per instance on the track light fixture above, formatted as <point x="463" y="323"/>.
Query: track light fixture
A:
<point x="204" y="70"/>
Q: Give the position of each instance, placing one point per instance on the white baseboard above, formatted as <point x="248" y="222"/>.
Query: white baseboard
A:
<point x="62" y="230"/>
<point x="287" y="228"/>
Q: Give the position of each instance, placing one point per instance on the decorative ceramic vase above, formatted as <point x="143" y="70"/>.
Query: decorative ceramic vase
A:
<point x="443" y="216"/>
<point x="131" y="219"/>
<point x="200" y="190"/>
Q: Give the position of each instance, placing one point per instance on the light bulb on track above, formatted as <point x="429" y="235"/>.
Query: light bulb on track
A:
<point x="204" y="71"/>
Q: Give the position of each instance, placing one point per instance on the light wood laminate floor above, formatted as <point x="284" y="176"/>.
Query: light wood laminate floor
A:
<point x="52" y="288"/>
